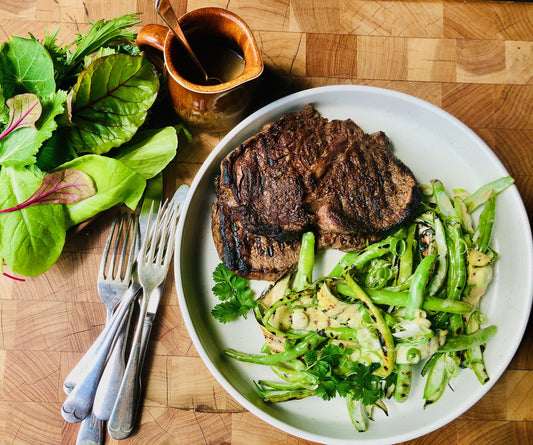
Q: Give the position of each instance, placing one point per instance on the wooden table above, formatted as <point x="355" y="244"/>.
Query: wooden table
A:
<point x="472" y="58"/>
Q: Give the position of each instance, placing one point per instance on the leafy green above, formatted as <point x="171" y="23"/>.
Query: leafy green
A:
<point x="235" y="293"/>
<point x="355" y="378"/>
<point x="31" y="239"/>
<point x="110" y="102"/>
<point x="26" y="68"/>
<point x="149" y="151"/>
<point x="24" y="111"/>
<point x="65" y="187"/>
<point x="115" y="183"/>
<point x="68" y="61"/>
<point x="55" y="151"/>
<point x="61" y="108"/>
<point x="19" y="148"/>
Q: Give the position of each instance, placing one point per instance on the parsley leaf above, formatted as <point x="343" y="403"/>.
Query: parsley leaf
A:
<point x="235" y="294"/>
<point x="355" y="378"/>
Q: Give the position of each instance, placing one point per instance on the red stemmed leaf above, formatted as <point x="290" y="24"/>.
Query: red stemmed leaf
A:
<point x="24" y="111"/>
<point x="61" y="187"/>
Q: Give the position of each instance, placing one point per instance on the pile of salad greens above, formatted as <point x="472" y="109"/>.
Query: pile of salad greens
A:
<point x="72" y="139"/>
<point x="409" y="302"/>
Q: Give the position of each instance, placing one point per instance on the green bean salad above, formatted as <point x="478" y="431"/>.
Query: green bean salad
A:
<point x="403" y="306"/>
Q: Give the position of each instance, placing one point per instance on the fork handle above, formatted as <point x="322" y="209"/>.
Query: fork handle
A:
<point x="91" y="432"/>
<point x="109" y="384"/>
<point x="78" y="403"/>
<point x="90" y="356"/>
<point x="122" y="420"/>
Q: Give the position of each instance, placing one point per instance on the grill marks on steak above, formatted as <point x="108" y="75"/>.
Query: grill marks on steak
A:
<point x="304" y="172"/>
<point x="382" y="189"/>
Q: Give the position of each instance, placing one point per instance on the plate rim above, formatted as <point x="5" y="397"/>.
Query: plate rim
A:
<point x="225" y="383"/>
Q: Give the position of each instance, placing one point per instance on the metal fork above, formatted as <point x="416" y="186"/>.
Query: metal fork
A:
<point x="153" y="262"/>
<point x="113" y="282"/>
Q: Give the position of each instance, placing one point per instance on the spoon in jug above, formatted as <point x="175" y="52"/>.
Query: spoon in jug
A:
<point x="167" y="14"/>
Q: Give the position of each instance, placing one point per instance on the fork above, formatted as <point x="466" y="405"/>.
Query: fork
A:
<point x="114" y="287"/>
<point x="111" y="288"/>
<point x="153" y="262"/>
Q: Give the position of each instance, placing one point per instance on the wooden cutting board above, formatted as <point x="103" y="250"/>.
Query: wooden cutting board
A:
<point x="474" y="59"/>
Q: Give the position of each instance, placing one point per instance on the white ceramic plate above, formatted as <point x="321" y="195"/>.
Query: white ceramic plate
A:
<point x="435" y="145"/>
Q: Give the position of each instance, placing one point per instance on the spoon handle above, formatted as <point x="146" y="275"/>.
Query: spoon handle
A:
<point x="167" y="14"/>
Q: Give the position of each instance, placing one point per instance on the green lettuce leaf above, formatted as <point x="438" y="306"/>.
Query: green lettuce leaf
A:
<point x="20" y="147"/>
<point x="110" y="102"/>
<point x="32" y="238"/>
<point x="115" y="184"/>
<point x="149" y="151"/>
<point x="26" y="68"/>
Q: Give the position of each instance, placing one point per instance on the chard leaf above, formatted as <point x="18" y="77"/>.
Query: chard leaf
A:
<point x="61" y="187"/>
<point x="26" y="68"/>
<point x="20" y="147"/>
<point x="115" y="183"/>
<point x="110" y="102"/>
<point x="149" y="151"/>
<point x="24" y="111"/>
<point x="31" y="239"/>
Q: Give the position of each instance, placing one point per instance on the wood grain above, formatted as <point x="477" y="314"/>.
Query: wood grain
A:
<point x="472" y="58"/>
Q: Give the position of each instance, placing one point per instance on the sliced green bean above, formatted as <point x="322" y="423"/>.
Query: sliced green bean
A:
<point x="288" y="374"/>
<point x="282" y="386"/>
<point x="276" y="396"/>
<point x="357" y="259"/>
<point x="311" y="341"/>
<point x="466" y="341"/>
<point x="357" y="413"/>
<point x="405" y="268"/>
<point x="403" y="382"/>
<point x="457" y="264"/>
<point x="397" y="298"/>
<point x="474" y="355"/>
<point x="480" y="196"/>
<point x="464" y="215"/>
<point x="485" y="224"/>
<point x="417" y="289"/>
<point x="439" y="277"/>
<point x="444" y="203"/>
<point x="386" y="339"/>
<point x="306" y="261"/>
<point x="436" y="380"/>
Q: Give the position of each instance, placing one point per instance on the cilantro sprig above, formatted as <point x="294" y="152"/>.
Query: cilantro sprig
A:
<point x="235" y="294"/>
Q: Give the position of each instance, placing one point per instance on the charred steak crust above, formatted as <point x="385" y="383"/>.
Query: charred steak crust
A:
<point x="304" y="172"/>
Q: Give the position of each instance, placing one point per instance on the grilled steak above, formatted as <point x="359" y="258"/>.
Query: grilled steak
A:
<point x="300" y="173"/>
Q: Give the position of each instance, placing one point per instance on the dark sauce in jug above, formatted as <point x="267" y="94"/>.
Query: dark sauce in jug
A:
<point x="220" y="57"/>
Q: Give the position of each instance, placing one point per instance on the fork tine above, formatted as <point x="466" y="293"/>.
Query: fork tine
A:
<point x="165" y="220"/>
<point x="118" y="271"/>
<point x="155" y="234"/>
<point x="130" y="245"/>
<point x="105" y="255"/>
<point x="172" y="229"/>
<point x="133" y="247"/>
<point x="147" y="235"/>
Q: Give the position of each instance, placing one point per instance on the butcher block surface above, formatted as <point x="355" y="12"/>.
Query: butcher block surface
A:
<point x="474" y="59"/>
